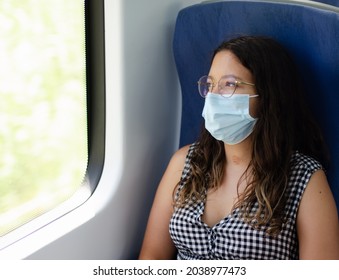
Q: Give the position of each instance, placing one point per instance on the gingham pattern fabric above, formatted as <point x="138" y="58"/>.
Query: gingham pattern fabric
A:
<point x="232" y="238"/>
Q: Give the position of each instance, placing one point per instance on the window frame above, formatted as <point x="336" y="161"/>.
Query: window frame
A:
<point x="96" y="89"/>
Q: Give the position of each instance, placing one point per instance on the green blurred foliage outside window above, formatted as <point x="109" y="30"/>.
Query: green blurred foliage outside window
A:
<point x="43" y="122"/>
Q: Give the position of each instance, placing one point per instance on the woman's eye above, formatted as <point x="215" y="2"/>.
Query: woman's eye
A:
<point x="208" y="86"/>
<point x="230" y="84"/>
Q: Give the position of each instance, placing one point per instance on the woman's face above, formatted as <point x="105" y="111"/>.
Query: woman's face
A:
<point x="225" y="63"/>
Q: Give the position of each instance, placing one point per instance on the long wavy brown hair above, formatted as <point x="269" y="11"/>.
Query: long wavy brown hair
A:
<point x="284" y="126"/>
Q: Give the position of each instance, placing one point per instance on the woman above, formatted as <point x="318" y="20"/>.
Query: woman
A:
<point x="253" y="186"/>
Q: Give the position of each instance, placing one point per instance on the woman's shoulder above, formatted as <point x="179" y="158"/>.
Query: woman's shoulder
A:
<point x="183" y="153"/>
<point x="302" y="169"/>
<point x="181" y="162"/>
<point x="305" y="170"/>
<point x="305" y="162"/>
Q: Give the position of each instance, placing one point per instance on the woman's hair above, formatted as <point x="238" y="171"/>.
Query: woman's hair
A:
<point x="284" y="126"/>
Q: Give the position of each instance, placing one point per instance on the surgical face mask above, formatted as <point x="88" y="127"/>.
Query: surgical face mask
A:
<point x="228" y="118"/>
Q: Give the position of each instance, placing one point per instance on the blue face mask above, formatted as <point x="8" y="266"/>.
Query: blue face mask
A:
<point x="228" y="118"/>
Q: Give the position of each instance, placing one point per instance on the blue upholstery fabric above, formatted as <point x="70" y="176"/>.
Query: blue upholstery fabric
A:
<point x="329" y="2"/>
<point x="310" y="33"/>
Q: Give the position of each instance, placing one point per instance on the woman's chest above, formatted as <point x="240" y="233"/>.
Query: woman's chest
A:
<point x="230" y="238"/>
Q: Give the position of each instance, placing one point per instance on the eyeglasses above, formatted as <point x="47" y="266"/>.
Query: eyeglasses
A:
<point x="227" y="85"/>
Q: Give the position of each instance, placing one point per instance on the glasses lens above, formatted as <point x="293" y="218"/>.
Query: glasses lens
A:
<point x="227" y="86"/>
<point x="205" y="84"/>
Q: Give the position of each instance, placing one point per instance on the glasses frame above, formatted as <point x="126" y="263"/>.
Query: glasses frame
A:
<point x="213" y="84"/>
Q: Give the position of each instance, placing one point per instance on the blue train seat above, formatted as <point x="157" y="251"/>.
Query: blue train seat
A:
<point x="309" y="30"/>
<point x="329" y="2"/>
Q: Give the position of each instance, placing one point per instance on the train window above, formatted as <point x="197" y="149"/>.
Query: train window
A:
<point x="43" y="108"/>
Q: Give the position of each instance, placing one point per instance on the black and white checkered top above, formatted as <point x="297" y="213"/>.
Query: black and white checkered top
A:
<point x="232" y="238"/>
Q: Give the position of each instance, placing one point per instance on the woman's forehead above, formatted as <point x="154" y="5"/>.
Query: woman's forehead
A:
<point x="225" y="63"/>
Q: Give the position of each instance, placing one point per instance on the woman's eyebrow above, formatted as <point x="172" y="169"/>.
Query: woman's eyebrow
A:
<point x="227" y="75"/>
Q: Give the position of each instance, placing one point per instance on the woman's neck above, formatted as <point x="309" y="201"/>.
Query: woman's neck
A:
<point x="239" y="155"/>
